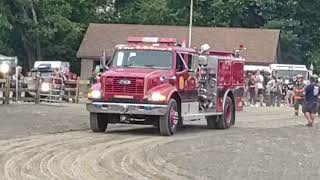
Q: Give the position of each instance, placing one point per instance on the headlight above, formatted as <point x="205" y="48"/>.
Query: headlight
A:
<point x="4" y="68"/>
<point x="45" y="87"/>
<point x="157" y="97"/>
<point x="94" y="94"/>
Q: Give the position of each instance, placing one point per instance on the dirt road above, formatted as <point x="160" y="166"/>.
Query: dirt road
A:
<point x="267" y="143"/>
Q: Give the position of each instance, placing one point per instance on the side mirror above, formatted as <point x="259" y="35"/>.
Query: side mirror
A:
<point x="205" y="47"/>
<point x="103" y="61"/>
<point x="203" y="60"/>
<point x="98" y="77"/>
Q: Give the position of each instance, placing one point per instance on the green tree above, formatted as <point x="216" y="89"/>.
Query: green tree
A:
<point x="48" y="29"/>
<point x="53" y="29"/>
<point x="5" y="34"/>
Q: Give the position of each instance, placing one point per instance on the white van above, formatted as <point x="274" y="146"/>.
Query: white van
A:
<point x="51" y="65"/>
<point x="254" y="68"/>
<point x="287" y="71"/>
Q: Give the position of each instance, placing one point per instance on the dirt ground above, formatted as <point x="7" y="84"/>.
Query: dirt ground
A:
<point x="48" y="142"/>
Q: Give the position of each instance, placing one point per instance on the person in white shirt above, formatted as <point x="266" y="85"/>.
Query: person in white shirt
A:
<point x="260" y="87"/>
<point x="271" y="88"/>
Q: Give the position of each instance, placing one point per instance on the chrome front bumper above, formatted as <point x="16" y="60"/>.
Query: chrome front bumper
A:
<point x="127" y="108"/>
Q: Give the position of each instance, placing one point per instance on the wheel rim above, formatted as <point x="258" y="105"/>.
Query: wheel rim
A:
<point x="228" y="115"/>
<point x="173" y="117"/>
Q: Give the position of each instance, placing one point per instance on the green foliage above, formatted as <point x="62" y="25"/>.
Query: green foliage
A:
<point x="53" y="29"/>
<point x="5" y="28"/>
<point x="315" y="59"/>
<point x="47" y="29"/>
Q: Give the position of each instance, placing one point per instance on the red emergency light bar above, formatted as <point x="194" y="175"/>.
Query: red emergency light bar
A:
<point x="221" y="53"/>
<point x="151" y="40"/>
<point x="242" y="47"/>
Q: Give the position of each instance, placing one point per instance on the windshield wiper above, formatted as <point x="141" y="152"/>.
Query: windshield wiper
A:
<point x="154" y="67"/>
<point x="128" y="66"/>
<point x="150" y="65"/>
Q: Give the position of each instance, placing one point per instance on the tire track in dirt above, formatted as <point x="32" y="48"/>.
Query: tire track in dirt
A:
<point x="18" y="156"/>
<point x="85" y="155"/>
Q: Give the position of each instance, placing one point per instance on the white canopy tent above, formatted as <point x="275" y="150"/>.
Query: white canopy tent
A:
<point x="12" y="62"/>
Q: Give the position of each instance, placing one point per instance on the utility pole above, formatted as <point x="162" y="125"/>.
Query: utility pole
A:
<point x="190" y="24"/>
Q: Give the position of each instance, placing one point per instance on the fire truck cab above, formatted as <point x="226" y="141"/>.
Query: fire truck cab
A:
<point x="159" y="82"/>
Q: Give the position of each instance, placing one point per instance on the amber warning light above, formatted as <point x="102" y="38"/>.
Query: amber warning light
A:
<point x="151" y="40"/>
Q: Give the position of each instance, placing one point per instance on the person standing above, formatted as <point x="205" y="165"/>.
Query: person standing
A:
<point x="246" y="93"/>
<point x="310" y="103"/>
<point x="252" y="91"/>
<point x="298" y="94"/>
<point x="279" y="89"/>
<point x="260" y="87"/>
<point x="271" y="88"/>
<point x="294" y="79"/>
<point x="289" y="95"/>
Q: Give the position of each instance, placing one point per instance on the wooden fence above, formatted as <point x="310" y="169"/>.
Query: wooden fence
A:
<point x="71" y="91"/>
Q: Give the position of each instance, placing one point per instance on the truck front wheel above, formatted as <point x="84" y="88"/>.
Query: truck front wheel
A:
<point x="98" y="122"/>
<point x="168" y="122"/>
<point x="227" y="118"/>
<point x="212" y="122"/>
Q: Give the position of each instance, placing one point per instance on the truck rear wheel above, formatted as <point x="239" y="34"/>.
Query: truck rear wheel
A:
<point x="227" y="118"/>
<point x="168" y="122"/>
<point x="212" y="122"/>
<point x="98" y="122"/>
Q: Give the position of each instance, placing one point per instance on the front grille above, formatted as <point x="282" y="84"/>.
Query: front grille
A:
<point x="132" y="88"/>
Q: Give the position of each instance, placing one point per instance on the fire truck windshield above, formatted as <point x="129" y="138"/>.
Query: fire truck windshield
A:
<point x="142" y="59"/>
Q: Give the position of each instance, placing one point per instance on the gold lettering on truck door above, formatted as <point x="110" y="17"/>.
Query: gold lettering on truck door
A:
<point x="181" y="82"/>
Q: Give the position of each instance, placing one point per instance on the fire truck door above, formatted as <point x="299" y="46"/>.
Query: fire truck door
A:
<point x="185" y="84"/>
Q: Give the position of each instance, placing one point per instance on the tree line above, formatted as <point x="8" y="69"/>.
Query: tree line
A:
<point x="53" y="29"/>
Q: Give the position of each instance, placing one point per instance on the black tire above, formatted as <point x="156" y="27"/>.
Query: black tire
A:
<point x="98" y="122"/>
<point x="168" y="123"/>
<point x="227" y="118"/>
<point x="212" y="122"/>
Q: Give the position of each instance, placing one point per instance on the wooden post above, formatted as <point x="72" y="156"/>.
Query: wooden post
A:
<point x="7" y="90"/>
<point x="77" y="91"/>
<point x="37" y="100"/>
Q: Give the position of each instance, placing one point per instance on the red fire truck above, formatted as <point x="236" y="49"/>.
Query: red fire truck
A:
<point x="156" y="81"/>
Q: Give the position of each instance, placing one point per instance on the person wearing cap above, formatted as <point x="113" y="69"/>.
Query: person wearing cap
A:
<point x="310" y="104"/>
<point x="298" y="93"/>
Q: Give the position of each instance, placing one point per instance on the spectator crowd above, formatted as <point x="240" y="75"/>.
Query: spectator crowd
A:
<point x="263" y="89"/>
